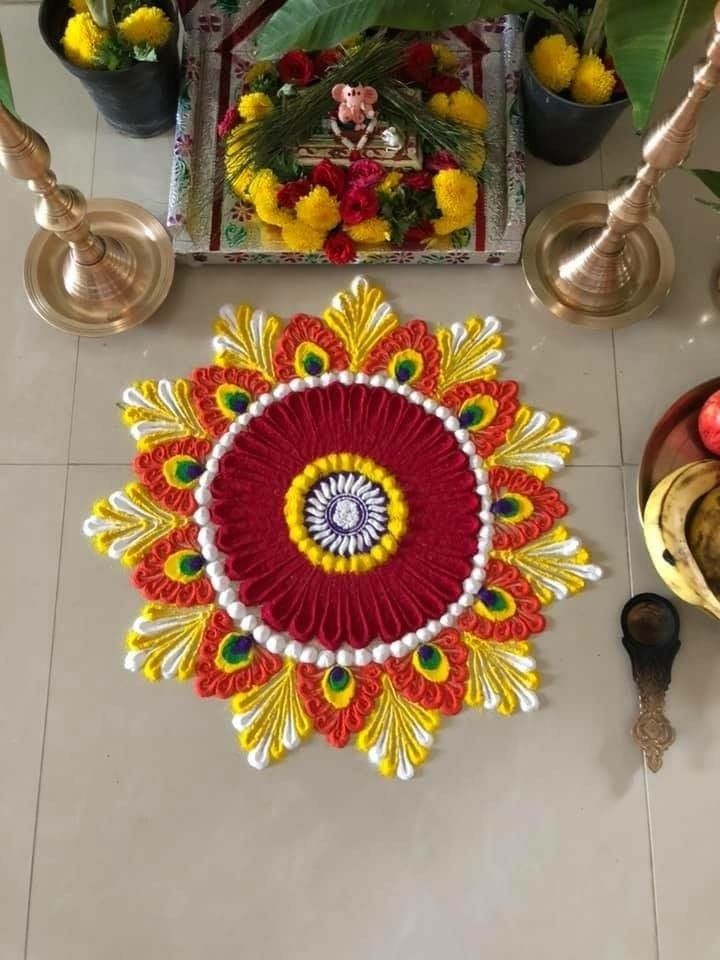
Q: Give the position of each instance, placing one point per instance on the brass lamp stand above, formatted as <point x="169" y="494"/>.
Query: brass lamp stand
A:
<point x="96" y="267"/>
<point x="603" y="259"/>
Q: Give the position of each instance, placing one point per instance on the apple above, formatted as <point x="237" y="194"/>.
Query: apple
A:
<point x="709" y="423"/>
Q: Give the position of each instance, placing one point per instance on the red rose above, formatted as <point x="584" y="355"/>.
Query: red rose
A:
<point x="228" y="122"/>
<point x="324" y="60"/>
<point x="358" y="204"/>
<point x="296" y="67"/>
<point x="365" y="173"/>
<point x="418" y="180"/>
<point x="442" y="83"/>
<point x="414" y="236"/>
<point x="326" y="174"/>
<point x="289" y="193"/>
<point x="442" y="160"/>
<point x="339" y="248"/>
<point x="419" y="62"/>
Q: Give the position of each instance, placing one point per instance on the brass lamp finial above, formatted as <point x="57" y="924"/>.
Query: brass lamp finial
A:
<point x="602" y="259"/>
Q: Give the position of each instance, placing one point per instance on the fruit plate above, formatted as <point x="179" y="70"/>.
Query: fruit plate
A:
<point x="209" y="225"/>
<point x="674" y="440"/>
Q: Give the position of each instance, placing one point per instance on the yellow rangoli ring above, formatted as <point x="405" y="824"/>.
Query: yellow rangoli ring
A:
<point x="344" y="462"/>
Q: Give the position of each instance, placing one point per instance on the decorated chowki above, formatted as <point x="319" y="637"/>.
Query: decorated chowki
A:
<point x="343" y="526"/>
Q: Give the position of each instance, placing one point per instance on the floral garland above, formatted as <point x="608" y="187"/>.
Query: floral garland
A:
<point x="343" y="526"/>
<point x="338" y="208"/>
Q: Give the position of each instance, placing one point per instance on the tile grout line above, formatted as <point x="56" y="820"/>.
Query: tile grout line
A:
<point x="617" y="400"/>
<point x="51" y="656"/>
<point x="648" y="810"/>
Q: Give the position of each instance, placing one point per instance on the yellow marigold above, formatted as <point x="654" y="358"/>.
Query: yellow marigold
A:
<point x="476" y="160"/>
<point x="82" y="39"/>
<point x="445" y="59"/>
<point x="391" y="182"/>
<point x="258" y="69"/>
<point x="466" y="107"/>
<point x="319" y="209"/>
<point x="455" y="192"/>
<point x="149" y="25"/>
<point x="241" y="183"/>
<point x="302" y="238"/>
<point x="375" y="230"/>
<point x="446" y="225"/>
<point x="592" y="82"/>
<point x="439" y="103"/>
<point x="269" y="212"/>
<point x="263" y="184"/>
<point x="254" y="106"/>
<point x="554" y="62"/>
<point x="79" y="6"/>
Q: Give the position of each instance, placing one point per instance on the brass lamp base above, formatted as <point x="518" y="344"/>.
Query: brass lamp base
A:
<point x="120" y="291"/>
<point x="623" y="287"/>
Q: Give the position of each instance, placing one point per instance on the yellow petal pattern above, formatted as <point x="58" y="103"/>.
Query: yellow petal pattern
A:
<point x="128" y="523"/>
<point x="245" y="338"/>
<point x="536" y="442"/>
<point x="557" y="565"/>
<point x="469" y="351"/>
<point x="270" y="719"/>
<point x="157" y="411"/>
<point x="360" y="318"/>
<point x="164" y="641"/>
<point x="501" y="676"/>
<point x="398" y="735"/>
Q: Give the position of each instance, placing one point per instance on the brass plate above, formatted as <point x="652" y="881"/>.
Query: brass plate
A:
<point x="674" y="440"/>
<point x="553" y="233"/>
<point x="154" y="257"/>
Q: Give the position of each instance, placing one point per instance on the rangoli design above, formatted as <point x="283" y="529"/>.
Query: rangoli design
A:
<point x="343" y="526"/>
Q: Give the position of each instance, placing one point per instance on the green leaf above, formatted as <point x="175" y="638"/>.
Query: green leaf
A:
<point x="143" y="51"/>
<point x="6" y="97"/>
<point x="642" y="36"/>
<point x="709" y="203"/>
<point x="317" y="24"/>
<point x="711" y="179"/>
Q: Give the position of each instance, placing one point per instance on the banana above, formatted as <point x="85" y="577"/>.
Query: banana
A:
<point x="704" y="538"/>
<point x="665" y="522"/>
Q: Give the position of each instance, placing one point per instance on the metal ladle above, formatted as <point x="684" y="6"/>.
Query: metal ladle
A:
<point x="651" y="629"/>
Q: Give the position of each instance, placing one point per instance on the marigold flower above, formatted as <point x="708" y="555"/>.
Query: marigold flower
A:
<point x="439" y="103"/>
<point x="593" y="82"/>
<point x="241" y="183"/>
<point x="455" y="192"/>
<point x="300" y="237"/>
<point x="375" y="230"/>
<point x="319" y="209"/>
<point x="466" y="107"/>
<point x="82" y="40"/>
<point x="445" y="58"/>
<point x="446" y="225"/>
<point x="254" y="106"/>
<point x="391" y="182"/>
<point x="146" y="25"/>
<point x="258" y="69"/>
<point x="554" y="62"/>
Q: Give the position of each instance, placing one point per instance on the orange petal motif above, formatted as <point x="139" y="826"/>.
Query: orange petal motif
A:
<point x="307" y="348"/>
<point x="221" y="394"/>
<point x="409" y="354"/>
<point x="230" y="662"/>
<point x="486" y="408"/>
<point x="434" y="676"/>
<point x="173" y="571"/>
<point x="339" y="699"/>
<point x="170" y="472"/>
<point x="505" y="608"/>
<point x="523" y="506"/>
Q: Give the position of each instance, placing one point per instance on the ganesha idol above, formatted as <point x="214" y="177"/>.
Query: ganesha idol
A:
<point x="356" y="117"/>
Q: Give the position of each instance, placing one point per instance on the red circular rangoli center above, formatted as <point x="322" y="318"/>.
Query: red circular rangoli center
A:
<point x="433" y="558"/>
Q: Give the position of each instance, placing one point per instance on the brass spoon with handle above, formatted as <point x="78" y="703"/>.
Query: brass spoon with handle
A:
<point x="651" y="629"/>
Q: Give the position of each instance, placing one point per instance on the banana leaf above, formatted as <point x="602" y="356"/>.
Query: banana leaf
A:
<point x="643" y="35"/>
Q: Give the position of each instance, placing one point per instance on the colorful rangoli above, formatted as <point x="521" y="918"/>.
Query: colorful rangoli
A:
<point x="343" y="526"/>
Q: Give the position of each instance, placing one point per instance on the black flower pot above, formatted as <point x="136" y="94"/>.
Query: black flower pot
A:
<point x="557" y="129"/>
<point x="139" y="101"/>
